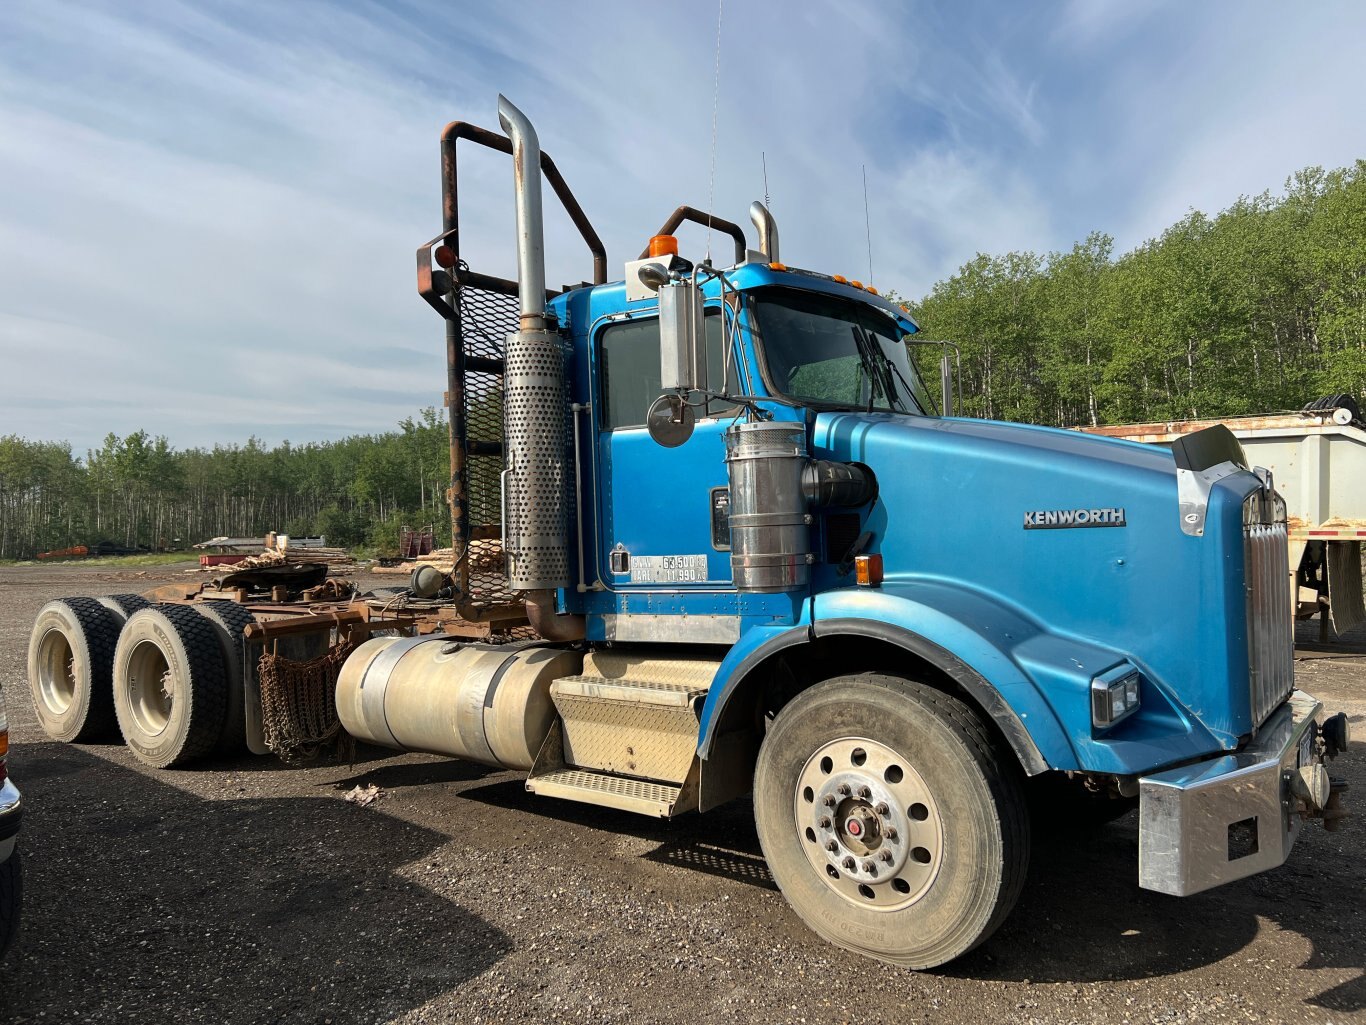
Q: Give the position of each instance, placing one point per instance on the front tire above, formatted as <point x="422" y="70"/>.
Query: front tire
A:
<point x="892" y="824"/>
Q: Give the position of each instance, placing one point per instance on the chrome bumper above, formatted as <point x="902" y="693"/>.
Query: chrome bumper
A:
<point x="11" y="810"/>
<point x="1215" y="821"/>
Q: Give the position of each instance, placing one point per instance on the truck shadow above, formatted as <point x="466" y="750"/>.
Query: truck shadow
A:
<point x="1082" y="917"/>
<point x="143" y="901"/>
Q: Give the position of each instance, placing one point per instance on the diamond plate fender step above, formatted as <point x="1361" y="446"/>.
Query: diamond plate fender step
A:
<point x="551" y="777"/>
<point x="632" y="728"/>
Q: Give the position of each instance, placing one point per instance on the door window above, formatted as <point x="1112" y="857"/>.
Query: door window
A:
<point x="629" y="354"/>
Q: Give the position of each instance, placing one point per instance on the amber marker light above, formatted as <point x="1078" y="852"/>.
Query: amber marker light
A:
<point x="872" y="290"/>
<point x="840" y="278"/>
<point x="868" y="570"/>
<point x="777" y="266"/>
<point x="663" y="245"/>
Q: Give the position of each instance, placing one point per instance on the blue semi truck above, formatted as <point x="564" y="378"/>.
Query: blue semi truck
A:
<point x="724" y="541"/>
<point x="764" y="558"/>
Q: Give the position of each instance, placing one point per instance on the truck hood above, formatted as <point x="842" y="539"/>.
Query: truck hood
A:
<point x="959" y="501"/>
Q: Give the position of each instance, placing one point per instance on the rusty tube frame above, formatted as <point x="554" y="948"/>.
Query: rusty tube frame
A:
<point x="691" y="213"/>
<point x="457" y="496"/>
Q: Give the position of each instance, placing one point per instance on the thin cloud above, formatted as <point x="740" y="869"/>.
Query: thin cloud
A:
<point x="209" y="211"/>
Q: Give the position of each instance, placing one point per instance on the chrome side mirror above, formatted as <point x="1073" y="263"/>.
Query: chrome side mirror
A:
<point x="682" y="356"/>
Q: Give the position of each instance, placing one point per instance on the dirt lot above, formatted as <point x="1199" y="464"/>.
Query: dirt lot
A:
<point x="245" y="891"/>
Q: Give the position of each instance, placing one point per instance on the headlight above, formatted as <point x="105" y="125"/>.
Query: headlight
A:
<point x="1114" y="695"/>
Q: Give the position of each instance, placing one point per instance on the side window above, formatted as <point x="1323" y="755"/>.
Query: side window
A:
<point x="629" y="353"/>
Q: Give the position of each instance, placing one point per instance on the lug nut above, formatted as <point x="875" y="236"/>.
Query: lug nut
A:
<point x="865" y="792"/>
<point x="825" y="822"/>
<point x="843" y="789"/>
<point x="870" y="868"/>
<point x="848" y="864"/>
<point x="829" y="801"/>
<point x="890" y="832"/>
<point x="831" y="846"/>
<point x="885" y="856"/>
<point x="882" y="808"/>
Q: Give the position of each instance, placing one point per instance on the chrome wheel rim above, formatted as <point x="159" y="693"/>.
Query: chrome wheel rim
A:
<point x="56" y="672"/>
<point x="151" y="688"/>
<point x="868" y="824"/>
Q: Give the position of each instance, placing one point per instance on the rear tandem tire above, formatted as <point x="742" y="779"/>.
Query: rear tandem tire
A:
<point x="70" y="669"/>
<point x="124" y="605"/>
<point x="891" y="822"/>
<point x="229" y="621"/>
<point x="169" y="685"/>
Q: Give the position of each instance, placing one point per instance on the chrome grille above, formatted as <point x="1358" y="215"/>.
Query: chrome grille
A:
<point x="1270" y="627"/>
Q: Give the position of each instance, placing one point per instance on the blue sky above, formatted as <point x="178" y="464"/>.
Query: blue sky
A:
<point x="208" y="211"/>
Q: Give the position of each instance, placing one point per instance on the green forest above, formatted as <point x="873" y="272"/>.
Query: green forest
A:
<point x="138" y="490"/>
<point x="1259" y="308"/>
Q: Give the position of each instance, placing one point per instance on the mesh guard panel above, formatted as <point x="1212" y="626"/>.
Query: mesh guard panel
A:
<point x="485" y="319"/>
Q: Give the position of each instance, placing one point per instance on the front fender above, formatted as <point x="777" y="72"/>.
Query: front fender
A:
<point x="1034" y="684"/>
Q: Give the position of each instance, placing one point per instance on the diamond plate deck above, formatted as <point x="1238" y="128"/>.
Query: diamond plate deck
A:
<point x="634" y="795"/>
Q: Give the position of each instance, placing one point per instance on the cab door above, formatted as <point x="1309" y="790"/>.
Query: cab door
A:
<point x="663" y="529"/>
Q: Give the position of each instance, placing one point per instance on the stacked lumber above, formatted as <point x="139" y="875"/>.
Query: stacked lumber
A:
<point x="337" y="560"/>
<point x="327" y="556"/>
<point x="440" y="559"/>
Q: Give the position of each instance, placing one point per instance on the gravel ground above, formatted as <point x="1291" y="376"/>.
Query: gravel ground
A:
<point x="245" y="891"/>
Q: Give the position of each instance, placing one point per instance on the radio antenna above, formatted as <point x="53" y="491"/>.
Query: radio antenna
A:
<point x="867" y="224"/>
<point x="715" y="105"/>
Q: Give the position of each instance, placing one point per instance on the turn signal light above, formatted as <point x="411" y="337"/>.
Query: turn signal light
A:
<point x="868" y="570"/>
<point x="4" y="744"/>
<point x="663" y="245"/>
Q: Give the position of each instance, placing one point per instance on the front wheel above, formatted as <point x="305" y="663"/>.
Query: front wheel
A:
<point x="890" y="821"/>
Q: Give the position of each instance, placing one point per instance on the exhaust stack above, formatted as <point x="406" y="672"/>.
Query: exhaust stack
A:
<point x="767" y="228"/>
<point x="526" y="170"/>
<point x="535" y="480"/>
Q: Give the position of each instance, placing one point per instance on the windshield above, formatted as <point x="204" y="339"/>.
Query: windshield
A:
<point x="832" y="353"/>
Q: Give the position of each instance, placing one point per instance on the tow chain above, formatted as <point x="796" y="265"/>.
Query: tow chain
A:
<point x="298" y="707"/>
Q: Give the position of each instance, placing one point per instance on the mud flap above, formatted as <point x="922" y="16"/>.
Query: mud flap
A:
<point x="1345" y="608"/>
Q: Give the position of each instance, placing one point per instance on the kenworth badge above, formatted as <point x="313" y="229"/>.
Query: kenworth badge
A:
<point x="1054" y="519"/>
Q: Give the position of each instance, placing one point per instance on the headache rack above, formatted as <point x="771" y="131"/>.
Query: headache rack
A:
<point x="480" y="310"/>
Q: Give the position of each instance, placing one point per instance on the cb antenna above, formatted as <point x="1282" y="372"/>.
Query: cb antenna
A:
<point x="867" y="224"/>
<point x="715" y="104"/>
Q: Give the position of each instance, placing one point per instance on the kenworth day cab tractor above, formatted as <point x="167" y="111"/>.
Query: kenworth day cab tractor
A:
<point x="770" y="565"/>
<point x="731" y="544"/>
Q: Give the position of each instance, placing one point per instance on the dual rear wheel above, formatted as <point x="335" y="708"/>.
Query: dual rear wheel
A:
<point x="168" y="677"/>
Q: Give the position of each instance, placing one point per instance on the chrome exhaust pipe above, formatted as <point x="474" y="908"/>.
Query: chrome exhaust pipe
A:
<point x="526" y="169"/>
<point x="767" y="228"/>
<point x="536" y="477"/>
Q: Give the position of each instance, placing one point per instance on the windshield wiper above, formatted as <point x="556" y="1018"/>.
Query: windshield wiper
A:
<point x="871" y="355"/>
<point x="864" y="364"/>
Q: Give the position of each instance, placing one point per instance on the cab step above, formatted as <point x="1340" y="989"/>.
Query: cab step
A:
<point x="637" y="795"/>
<point x="552" y="777"/>
<point x="630" y="715"/>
